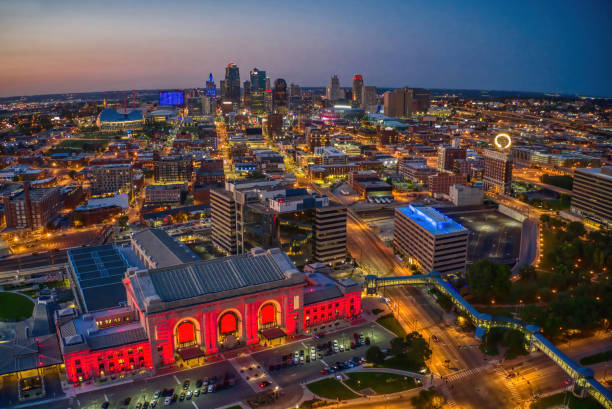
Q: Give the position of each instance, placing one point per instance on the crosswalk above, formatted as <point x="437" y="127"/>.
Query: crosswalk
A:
<point x="510" y="385"/>
<point x="463" y="374"/>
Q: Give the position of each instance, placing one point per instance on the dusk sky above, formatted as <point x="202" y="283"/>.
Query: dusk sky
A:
<point x="74" y="46"/>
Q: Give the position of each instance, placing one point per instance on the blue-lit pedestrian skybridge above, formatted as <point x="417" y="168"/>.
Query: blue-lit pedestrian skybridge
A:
<point x="583" y="377"/>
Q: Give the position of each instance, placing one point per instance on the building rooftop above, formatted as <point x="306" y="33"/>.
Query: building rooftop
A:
<point x="431" y="220"/>
<point x="163" y="250"/>
<point x="98" y="272"/>
<point x="206" y="281"/>
<point x="36" y="194"/>
<point x="603" y="172"/>
<point x="83" y="333"/>
<point x="111" y="115"/>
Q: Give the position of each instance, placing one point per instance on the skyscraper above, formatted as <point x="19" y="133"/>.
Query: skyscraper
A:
<point x="357" y="90"/>
<point x="268" y="101"/>
<point x="295" y="96"/>
<point x="497" y="174"/>
<point x="232" y="83"/>
<point x="370" y="98"/>
<point x="279" y="96"/>
<point x="406" y="101"/>
<point x="258" y="80"/>
<point x="333" y="89"/>
<point x="211" y="88"/>
<point x="222" y="88"/>
<point x="246" y="97"/>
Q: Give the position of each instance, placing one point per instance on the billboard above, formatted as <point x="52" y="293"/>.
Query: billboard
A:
<point x="171" y="98"/>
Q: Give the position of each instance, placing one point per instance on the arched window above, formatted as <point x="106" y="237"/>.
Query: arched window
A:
<point x="268" y="314"/>
<point x="228" y="323"/>
<point x="185" y="332"/>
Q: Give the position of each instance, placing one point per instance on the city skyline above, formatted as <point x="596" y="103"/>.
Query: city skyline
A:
<point x="72" y="47"/>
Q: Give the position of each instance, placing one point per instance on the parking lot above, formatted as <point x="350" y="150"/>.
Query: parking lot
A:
<point x="143" y="390"/>
<point x="306" y="371"/>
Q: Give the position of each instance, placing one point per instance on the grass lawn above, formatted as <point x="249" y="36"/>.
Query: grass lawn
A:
<point x="15" y="307"/>
<point x="331" y="388"/>
<point x="560" y="398"/>
<point x="392" y="324"/>
<point x="380" y="382"/>
<point x="597" y="358"/>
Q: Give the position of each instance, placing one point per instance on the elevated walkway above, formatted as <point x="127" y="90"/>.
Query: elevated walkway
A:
<point x="583" y="377"/>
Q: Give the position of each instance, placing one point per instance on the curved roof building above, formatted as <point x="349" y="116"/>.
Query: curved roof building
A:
<point x="110" y="118"/>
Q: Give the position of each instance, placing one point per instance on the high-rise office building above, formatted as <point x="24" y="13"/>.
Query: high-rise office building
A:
<point x="211" y="88"/>
<point x="430" y="239"/>
<point x="257" y="102"/>
<point x="223" y="217"/>
<point x="258" y="80"/>
<point x="357" y="91"/>
<point x="246" y="96"/>
<point x="421" y="99"/>
<point x="222" y="88"/>
<point x="232" y="83"/>
<point x="447" y="156"/>
<point x="266" y="213"/>
<point x="280" y="101"/>
<point x="333" y="89"/>
<point x="370" y="98"/>
<point x="268" y="101"/>
<point x="592" y="194"/>
<point x="295" y="97"/>
<point x="113" y="178"/>
<point x="405" y="102"/>
<point x="497" y="174"/>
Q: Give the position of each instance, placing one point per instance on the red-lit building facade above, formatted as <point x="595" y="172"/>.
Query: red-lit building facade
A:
<point x="181" y="313"/>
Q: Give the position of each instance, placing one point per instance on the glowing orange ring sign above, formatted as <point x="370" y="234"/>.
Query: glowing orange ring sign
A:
<point x="503" y="141"/>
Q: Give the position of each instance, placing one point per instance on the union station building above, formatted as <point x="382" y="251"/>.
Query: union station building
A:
<point x="186" y="312"/>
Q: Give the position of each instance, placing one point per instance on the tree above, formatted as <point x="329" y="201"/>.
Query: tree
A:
<point x="487" y="279"/>
<point x="575" y="229"/>
<point x="375" y="355"/>
<point x="527" y="273"/>
<point x="428" y="399"/>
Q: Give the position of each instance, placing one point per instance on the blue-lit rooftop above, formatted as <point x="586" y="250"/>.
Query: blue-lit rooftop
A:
<point x="432" y="220"/>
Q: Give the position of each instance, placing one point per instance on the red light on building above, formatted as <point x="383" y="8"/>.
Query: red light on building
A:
<point x="186" y="332"/>
<point x="357" y="77"/>
<point x="268" y="314"/>
<point x="228" y="323"/>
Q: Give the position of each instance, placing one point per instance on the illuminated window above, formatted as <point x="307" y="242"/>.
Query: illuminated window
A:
<point x="139" y="349"/>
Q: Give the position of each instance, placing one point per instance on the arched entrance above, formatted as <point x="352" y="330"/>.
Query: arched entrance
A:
<point x="269" y="322"/>
<point x="269" y="315"/>
<point x="229" y="328"/>
<point x="186" y="334"/>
